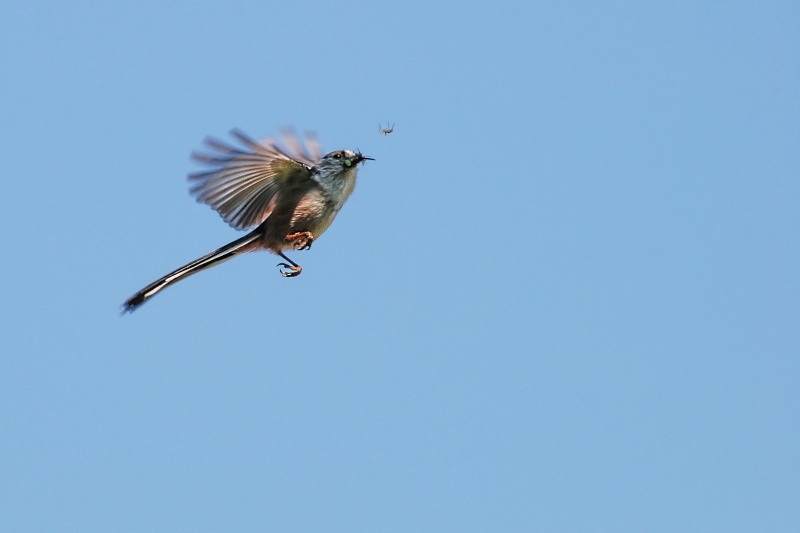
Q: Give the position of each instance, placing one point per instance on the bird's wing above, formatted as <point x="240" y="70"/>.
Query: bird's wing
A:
<point x="244" y="185"/>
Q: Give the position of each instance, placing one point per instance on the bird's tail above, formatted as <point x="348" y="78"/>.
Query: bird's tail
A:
<point x="217" y="256"/>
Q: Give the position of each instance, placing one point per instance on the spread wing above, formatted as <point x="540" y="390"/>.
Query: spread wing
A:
<point x="244" y="184"/>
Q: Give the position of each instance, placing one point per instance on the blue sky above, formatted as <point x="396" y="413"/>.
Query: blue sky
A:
<point x="564" y="297"/>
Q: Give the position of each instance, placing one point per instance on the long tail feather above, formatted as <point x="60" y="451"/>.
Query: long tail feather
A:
<point x="217" y="256"/>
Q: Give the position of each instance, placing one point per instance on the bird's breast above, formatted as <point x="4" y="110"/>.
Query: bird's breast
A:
<point x="312" y="210"/>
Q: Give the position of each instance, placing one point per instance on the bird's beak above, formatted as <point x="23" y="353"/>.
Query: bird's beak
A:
<point x="364" y="158"/>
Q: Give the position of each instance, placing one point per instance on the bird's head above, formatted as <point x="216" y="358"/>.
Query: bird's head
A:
<point x="340" y="161"/>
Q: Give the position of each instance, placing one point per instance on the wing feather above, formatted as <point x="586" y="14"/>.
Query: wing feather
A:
<point x="244" y="185"/>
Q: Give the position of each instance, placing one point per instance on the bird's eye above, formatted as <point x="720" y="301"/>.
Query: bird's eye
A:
<point x="337" y="156"/>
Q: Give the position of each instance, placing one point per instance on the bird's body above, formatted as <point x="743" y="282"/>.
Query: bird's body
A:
<point x="291" y="196"/>
<point x="311" y="208"/>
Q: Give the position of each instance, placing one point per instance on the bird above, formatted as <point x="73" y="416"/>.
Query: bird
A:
<point x="287" y="192"/>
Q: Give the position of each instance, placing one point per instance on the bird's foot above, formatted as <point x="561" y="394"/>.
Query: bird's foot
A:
<point x="301" y="240"/>
<point x="293" y="270"/>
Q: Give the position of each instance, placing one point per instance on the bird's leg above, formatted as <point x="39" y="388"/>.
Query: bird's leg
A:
<point x="301" y="240"/>
<point x="294" y="268"/>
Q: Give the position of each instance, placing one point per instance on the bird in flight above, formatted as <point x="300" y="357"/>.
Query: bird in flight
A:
<point x="286" y="191"/>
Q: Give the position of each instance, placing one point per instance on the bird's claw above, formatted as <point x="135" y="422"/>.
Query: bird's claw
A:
<point x="294" y="270"/>
<point x="301" y="241"/>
